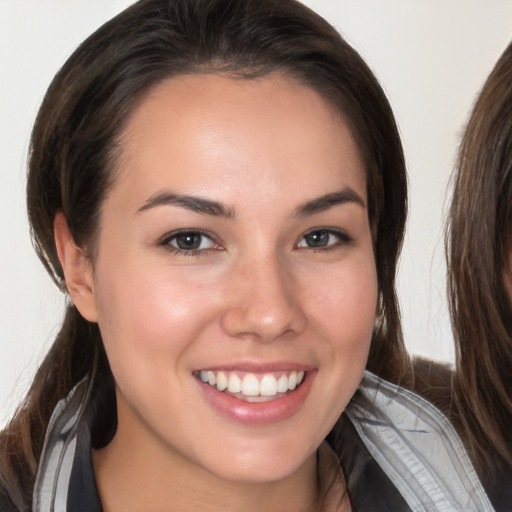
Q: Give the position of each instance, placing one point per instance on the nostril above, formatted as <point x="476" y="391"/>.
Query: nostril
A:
<point x="263" y="325"/>
<point x="263" y="302"/>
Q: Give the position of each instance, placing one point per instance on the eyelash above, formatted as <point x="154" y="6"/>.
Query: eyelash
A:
<point x="168" y="239"/>
<point x="343" y="239"/>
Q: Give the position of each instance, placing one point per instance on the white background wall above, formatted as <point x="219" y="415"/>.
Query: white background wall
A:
<point x="431" y="56"/>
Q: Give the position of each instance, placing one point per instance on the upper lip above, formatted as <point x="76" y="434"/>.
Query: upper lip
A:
<point x="258" y="367"/>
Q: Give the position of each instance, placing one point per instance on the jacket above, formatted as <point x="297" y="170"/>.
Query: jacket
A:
<point x="396" y="451"/>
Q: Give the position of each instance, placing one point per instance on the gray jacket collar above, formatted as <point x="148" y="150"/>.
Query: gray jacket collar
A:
<point x="416" y="447"/>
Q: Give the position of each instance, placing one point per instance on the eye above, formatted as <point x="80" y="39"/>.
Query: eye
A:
<point x="323" y="239"/>
<point x="189" y="242"/>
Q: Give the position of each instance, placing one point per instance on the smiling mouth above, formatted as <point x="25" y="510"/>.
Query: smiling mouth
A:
<point x="252" y="387"/>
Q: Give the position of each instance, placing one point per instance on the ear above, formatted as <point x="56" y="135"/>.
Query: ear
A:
<point x="77" y="269"/>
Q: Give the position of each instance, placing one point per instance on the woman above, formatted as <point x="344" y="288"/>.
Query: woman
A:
<point x="220" y="188"/>
<point x="480" y="282"/>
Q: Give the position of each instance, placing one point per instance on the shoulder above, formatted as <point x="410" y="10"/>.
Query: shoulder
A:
<point x="415" y="445"/>
<point x="433" y="381"/>
<point x="12" y="471"/>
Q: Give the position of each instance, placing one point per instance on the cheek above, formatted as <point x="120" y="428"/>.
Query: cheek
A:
<point x="342" y="315"/>
<point x="147" y="319"/>
<point x="345" y="305"/>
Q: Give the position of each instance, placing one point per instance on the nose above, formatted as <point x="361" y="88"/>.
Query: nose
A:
<point x="264" y="302"/>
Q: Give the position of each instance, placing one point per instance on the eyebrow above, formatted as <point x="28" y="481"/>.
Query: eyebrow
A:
<point x="193" y="203"/>
<point x="209" y="207"/>
<point x="323" y="203"/>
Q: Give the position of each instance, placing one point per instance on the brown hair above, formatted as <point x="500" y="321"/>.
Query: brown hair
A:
<point x="478" y="241"/>
<point x="73" y="149"/>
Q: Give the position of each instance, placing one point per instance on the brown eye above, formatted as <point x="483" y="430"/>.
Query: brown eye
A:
<point x="190" y="241"/>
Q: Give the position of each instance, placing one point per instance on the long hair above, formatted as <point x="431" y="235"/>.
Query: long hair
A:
<point x="479" y="245"/>
<point x="74" y="147"/>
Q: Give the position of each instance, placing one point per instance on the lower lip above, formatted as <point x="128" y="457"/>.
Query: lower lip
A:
<point x="259" y="413"/>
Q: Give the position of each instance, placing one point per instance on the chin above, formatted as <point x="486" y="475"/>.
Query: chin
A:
<point x="260" y="464"/>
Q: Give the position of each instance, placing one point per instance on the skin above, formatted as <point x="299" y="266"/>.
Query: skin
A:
<point x="255" y="293"/>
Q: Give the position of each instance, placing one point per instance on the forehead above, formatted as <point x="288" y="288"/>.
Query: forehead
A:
<point x="201" y="130"/>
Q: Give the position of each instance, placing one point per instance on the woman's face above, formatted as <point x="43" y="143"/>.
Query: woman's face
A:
<point x="235" y="249"/>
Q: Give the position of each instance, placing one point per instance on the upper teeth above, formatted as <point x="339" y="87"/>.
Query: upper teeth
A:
<point x="251" y="384"/>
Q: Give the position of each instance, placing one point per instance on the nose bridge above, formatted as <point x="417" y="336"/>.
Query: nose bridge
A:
<point x="264" y="304"/>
